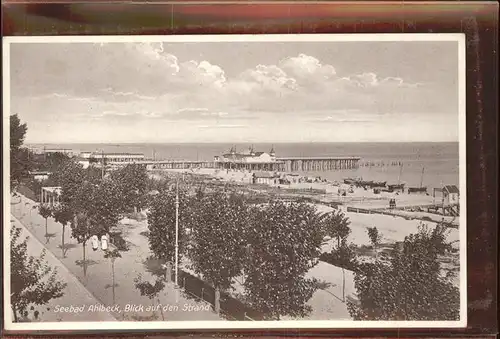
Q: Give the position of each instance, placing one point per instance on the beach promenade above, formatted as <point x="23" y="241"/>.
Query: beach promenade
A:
<point x="129" y="304"/>
<point x="74" y="293"/>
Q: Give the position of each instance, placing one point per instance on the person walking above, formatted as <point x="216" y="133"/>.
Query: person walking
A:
<point x="95" y="242"/>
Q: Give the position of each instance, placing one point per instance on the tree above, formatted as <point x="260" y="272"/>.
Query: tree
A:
<point x="336" y="226"/>
<point x="52" y="162"/>
<point x="344" y="257"/>
<point x="81" y="230"/>
<point x="93" y="202"/>
<point x="131" y="182"/>
<point x="218" y="248"/>
<point x="284" y="244"/>
<point x="375" y="238"/>
<point x="105" y="207"/>
<point x="19" y="157"/>
<point x="63" y="215"/>
<point x="46" y="212"/>
<point x="96" y="211"/>
<point x="150" y="290"/>
<point x="17" y="132"/>
<point x="411" y="286"/>
<point x="113" y="255"/>
<point x="32" y="281"/>
<point x="70" y="177"/>
<point x="161" y="224"/>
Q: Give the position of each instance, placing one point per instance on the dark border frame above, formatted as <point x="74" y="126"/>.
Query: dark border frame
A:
<point x="477" y="20"/>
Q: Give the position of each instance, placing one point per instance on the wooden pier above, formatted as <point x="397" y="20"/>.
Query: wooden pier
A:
<point x="287" y="164"/>
<point x="320" y="164"/>
<point x="170" y="164"/>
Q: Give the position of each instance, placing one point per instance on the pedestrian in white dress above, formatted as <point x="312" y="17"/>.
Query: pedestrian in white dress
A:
<point x="95" y="242"/>
<point x="104" y="242"/>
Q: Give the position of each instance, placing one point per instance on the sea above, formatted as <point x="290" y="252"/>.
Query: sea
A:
<point x="430" y="164"/>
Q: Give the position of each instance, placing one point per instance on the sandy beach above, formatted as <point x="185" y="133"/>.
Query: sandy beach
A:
<point x="355" y="197"/>
<point x="394" y="228"/>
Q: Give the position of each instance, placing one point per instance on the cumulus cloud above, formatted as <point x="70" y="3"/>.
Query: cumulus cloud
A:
<point x="306" y="66"/>
<point x="203" y="73"/>
<point x="268" y="77"/>
<point x="150" y="81"/>
<point x="156" y="52"/>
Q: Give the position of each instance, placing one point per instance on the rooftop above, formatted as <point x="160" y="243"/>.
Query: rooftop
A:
<point x="451" y="189"/>
<point x="39" y="173"/>
<point x="52" y="189"/>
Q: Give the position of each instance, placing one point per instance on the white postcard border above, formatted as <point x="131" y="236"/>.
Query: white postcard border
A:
<point x="198" y="325"/>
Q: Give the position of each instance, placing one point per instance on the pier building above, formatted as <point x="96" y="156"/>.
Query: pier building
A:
<point x="112" y="157"/>
<point x="249" y="161"/>
<point x="262" y="161"/>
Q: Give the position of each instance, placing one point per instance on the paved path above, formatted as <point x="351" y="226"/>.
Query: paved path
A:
<point x="75" y="294"/>
<point x="98" y="276"/>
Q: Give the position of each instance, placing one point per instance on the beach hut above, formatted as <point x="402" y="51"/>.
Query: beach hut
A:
<point x="448" y="195"/>
<point x="266" y="178"/>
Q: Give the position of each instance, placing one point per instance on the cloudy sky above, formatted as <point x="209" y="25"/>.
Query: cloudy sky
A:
<point x="236" y="91"/>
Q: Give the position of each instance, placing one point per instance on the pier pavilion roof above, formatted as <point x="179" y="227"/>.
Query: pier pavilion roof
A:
<point x="236" y="155"/>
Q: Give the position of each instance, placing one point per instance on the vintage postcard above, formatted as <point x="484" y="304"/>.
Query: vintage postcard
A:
<point x="233" y="181"/>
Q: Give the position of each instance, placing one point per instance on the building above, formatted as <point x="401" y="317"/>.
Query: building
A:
<point x="50" y="195"/>
<point x="66" y="151"/>
<point x="116" y="157"/>
<point x="85" y="155"/>
<point x="251" y="160"/>
<point x="86" y="158"/>
<point x="265" y="178"/>
<point x="448" y="195"/>
<point x="40" y="176"/>
<point x="84" y="161"/>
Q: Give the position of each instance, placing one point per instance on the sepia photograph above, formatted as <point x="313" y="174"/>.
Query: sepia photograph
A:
<point x="234" y="181"/>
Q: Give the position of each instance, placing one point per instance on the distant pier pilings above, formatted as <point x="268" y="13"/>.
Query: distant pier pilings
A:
<point x="320" y="164"/>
